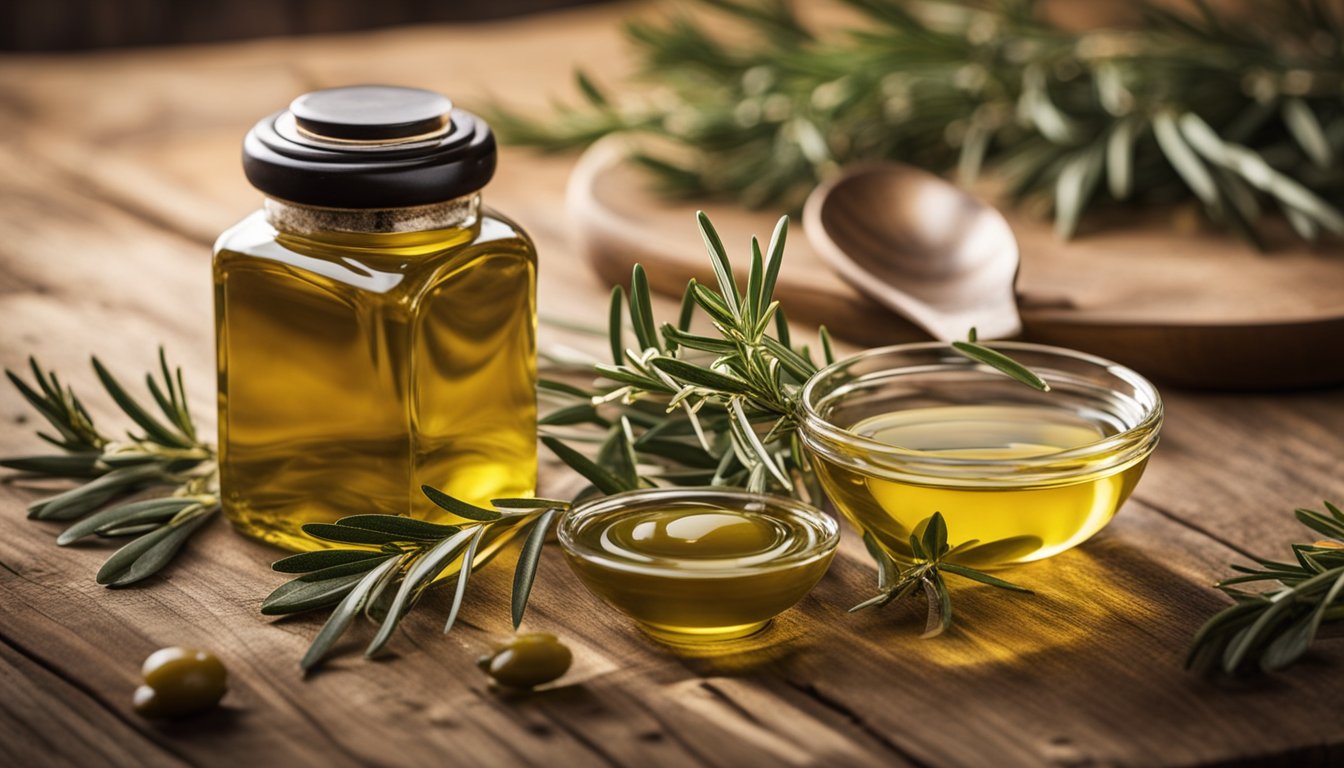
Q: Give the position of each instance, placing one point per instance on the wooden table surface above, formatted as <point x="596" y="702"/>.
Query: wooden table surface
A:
<point x="119" y="169"/>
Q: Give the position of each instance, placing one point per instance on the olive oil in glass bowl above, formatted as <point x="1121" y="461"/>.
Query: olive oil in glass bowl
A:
<point x="698" y="565"/>
<point x="900" y="433"/>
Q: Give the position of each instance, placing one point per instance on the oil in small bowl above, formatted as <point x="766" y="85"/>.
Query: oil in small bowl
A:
<point x="1018" y="475"/>
<point x="695" y="566"/>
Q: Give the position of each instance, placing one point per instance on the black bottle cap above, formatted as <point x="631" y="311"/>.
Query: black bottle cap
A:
<point x="369" y="146"/>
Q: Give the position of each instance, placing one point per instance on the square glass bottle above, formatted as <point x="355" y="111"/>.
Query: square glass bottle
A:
<point x="375" y="324"/>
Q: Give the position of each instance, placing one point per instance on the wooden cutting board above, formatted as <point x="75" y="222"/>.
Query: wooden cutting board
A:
<point x="1177" y="301"/>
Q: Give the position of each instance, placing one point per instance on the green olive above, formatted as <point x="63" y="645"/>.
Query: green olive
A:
<point x="528" y="660"/>
<point x="180" y="681"/>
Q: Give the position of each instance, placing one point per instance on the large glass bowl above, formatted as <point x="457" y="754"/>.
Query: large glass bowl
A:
<point x="1002" y="505"/>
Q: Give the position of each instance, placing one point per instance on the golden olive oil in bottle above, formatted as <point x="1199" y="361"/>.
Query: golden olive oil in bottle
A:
<point x="375" y="324"/>
<point x="998" y="520"/>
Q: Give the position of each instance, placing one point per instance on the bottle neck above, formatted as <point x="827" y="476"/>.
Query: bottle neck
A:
<point x="314" y="223"/>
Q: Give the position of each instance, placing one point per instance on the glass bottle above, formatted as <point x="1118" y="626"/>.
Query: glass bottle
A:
<point x="375" y="325"/>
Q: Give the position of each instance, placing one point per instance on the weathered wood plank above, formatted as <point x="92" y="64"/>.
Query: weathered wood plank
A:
<point x="48" y="718"/>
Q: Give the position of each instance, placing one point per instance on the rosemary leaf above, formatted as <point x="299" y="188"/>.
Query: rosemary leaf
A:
<point x="749" y="434"/>
<point x="560" y="387"/>
<point x="580" y="413"/>
<point x="887" y="572"/>
<point x="74" y="465"/>
<point x="827" y="354"/>
<point x="983" y="578"/>
<point x="614" y="318"/>
<point x="687" y="309"/>
<point x="641" y="309"/>
<point x="155" y="430"/>
<point x="701" y="376"/>
<point x="755" y="283"/>
<point x="1002" y="363"/>
<point x="1306" y="129"/>
<point x="687" y="454"/>
<point x="60" y="408"/>
<point x="604" y="481"/>
<point x="718" y="259"/>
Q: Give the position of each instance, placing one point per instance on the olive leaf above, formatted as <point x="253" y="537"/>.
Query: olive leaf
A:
<point x="423" y="570"/>
<point x="113" y="484"/>
<point x="400" y="526"/>
<point x="305" y="562"/>
<point x="528" y="560"/>
<point x="386" y="583"/>
<point x="310" y="594"/>
<point x="130" y="514"/>
<point x="350" y="606"/>
<point x="148" y="554"/>
<point x="458" y="507"/>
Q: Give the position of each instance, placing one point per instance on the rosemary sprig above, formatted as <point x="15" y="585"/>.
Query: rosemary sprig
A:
<point x="1270" y="630"/>
<point x="168" y="455"/>
<point x="387" y="562"/>
<point x="932" y="558"/>
<point x="680" y="408"/>
<point x="1195" y="105"/>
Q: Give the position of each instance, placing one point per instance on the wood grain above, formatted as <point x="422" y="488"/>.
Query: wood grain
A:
<point x="119" y="171"/>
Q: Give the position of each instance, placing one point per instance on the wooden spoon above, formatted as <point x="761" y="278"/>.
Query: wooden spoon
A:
<point x="919" y="246"/>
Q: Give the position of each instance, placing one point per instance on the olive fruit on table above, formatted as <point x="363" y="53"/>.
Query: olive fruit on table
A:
<point x="180" y="681"/>
<point x="527" y="660"/>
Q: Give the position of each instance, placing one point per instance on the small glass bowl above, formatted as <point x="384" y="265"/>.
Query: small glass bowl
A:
<point x="700" y="593"/>
<point x="1003" y="510"/>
